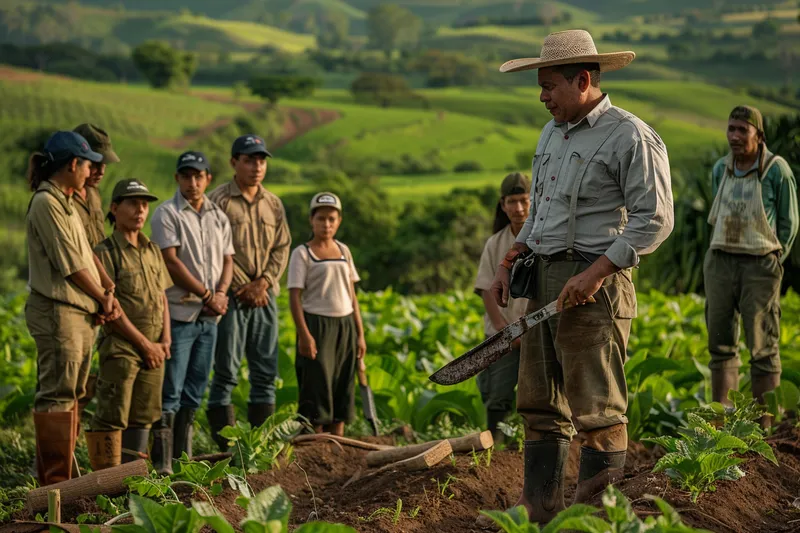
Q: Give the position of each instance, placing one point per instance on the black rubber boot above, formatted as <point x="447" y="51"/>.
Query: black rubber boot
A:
<point x="493" y="418"/>
<point x="597" y="471"/>
<point x="723" y="380"/>
<point x="161" y="453"/>
<point x="257" y="413"/>
<point x="134" y="444"/>
<point x="183" y="432"/>
<point x="218" y="418"/>
<point x="543" y="488"/>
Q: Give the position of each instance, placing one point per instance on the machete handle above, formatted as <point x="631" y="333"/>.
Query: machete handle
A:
<point x="589" y="300"/>
<point x="362" y="373"/>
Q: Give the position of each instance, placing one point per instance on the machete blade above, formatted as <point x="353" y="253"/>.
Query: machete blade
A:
<point x="490" y="350"/>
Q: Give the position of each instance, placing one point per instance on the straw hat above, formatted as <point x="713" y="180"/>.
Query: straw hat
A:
<point x="569" y="47"/>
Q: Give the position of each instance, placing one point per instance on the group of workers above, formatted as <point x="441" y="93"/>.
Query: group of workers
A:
<point x="163" y="310"/>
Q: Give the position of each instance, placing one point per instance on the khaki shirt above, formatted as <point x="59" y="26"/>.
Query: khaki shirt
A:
<point x="493" y="253"/>
<point x="202" y="239"/>
<point x="260" y="234"/>
<point x="141" y="277"/>
<point x="624" y="205"/>
<point x="57" y="248"/>
<point x="91" y="213"/>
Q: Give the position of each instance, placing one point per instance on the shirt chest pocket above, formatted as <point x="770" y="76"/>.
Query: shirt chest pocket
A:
<point x="592" y="178"/>
<point x="130" y="282"/>
<point x="540" y="163"/>
<point x="267" y="227"/>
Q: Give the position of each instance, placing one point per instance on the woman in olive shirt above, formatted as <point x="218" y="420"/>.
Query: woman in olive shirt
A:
<point x="66" y="298"/>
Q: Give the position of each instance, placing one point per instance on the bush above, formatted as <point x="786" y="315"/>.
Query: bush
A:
<point x="468" y="166"/>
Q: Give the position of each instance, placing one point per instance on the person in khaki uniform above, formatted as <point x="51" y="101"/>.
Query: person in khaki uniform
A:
<point x="132" y="349"/>
<point x="88" y="199"/>
<point x="601" y="198"/>
<point x="66" y="299"/>
<point x="250" y="327"/>
<point x="496" y="383"/>
<point x="755" y="220"/>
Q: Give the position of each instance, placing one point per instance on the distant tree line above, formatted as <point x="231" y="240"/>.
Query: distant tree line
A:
<point x="536" y="20"/>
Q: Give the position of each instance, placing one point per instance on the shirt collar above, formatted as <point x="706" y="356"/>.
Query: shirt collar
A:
<point x="63" y="199"/>
<point x="123" y="242"/>
<point x="594" y="115"/>
<point x="764" y="156"/>
<point x="236" y="191"/>
<point x="182" y="203"/>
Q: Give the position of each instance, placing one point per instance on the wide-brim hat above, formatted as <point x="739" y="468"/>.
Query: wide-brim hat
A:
<point x="570" y="47"/>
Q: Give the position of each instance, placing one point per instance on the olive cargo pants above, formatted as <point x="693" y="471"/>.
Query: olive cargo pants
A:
<point x="747" y="287"/>
<point x="64" y="337"/>
<point x="571" y="375"/>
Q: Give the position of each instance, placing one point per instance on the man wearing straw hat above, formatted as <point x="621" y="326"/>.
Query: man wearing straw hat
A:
<point x="601" y="198"/>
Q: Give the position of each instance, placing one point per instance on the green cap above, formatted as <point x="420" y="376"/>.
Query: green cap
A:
<point x="748" y="114"/>
<point x="515" y="183"/>
<point x="99" y="141"/>
<point x="131" y="188"/>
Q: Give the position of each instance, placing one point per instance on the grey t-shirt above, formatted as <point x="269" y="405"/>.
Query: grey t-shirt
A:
<point x="203" y="239"/>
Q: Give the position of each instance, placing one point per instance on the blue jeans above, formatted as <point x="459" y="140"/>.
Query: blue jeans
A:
<point x="251" y="332"/>
<point x="187" y="372"/>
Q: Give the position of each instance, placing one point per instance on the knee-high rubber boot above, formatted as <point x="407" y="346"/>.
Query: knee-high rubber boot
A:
<point x="183" y="432"/>
<point x="602" y="461"/>
<point x="761" y="385"/>
<point x="543" y="488"/>
<point x="218" y="418"/>
<point x="723" y="380"/>
<point x="161" y="453"/>
<point x="105" y="448"/>
<point x="257" y="413"/>
<point x="134" y="444"/>
<point x="55" y="443"/>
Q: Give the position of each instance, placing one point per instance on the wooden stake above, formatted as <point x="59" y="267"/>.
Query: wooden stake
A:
<point x="54" y="505"/>
<point x="109" y="481"/>
<point x="474" y="441"/>
<point x="342" y="440"/>
<point x="428" y="458"/>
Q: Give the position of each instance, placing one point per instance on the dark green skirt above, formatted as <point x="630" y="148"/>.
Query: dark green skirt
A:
<point x="326" y="384"/>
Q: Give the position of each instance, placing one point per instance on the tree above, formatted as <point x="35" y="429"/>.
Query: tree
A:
<point x="392" y="27"/>
<point x="378" y="88"/>
<point x="449" y="68"/>
<point x="333" y="30"/>
<point x="274" y="87"/>
<point x="767" y="29"/>
<point x="162" y="65"/>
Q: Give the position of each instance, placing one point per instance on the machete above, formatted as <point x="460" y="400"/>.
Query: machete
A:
<point x="493" y="348"/>
<point x="367" y="401"/>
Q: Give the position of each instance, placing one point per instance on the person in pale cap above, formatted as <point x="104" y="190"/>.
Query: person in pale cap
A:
<point x="601" y="199"/>
<point x="330" y="333"/>
<point x="754" y="217"/>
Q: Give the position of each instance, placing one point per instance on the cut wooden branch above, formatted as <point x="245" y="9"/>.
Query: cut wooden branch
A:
<point x="316" y="437"/>
<point x="423" y="461"/>
<point x="474" y="441"/>
<point x="54" y="505"/>
<point x="109" y="481"/>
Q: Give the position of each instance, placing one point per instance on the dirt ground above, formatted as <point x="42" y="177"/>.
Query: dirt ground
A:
<point x="446" y="498"/>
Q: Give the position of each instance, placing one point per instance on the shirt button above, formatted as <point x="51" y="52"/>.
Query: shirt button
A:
<point x="537" y="242"/>
<point x="552" y="178"/>
<point x="566" y="136"/>
<point x="541" y="218"/>
<point x="547" y="199"/>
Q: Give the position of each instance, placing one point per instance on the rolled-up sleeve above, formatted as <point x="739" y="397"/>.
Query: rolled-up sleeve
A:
<point x="647" y="187"/>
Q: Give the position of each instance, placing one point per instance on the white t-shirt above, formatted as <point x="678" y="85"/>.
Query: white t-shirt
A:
<point x="325" y="282"/>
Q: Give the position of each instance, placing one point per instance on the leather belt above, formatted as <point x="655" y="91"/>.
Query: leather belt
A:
<point x="563" y="256"/>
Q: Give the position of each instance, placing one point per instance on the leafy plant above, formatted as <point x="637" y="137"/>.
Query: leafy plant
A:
<point x="257" y="449"/>
<point x="703" y="456"/>
<point x="203" y="474"/>
<point x="619" y="512"/>
<point x="11" y="501"/>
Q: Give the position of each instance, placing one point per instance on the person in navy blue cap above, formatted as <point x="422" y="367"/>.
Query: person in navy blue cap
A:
<point x="249" y="329"/>
<point x="67" y="299"/>
<point x="195" y="239"/>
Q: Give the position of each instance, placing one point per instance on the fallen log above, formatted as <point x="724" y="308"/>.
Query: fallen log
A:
<point x="109" y="481"/>
<point x="428" y="458"/>
<point x="342" y="440"/>
<point x="474" y="441"/>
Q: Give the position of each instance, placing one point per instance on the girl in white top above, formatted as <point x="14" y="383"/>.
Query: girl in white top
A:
<point x="330" y="333"/>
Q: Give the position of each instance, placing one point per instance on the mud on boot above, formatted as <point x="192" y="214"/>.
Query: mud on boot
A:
<point x="597" y="471"/>
<point x="543" y="488"/>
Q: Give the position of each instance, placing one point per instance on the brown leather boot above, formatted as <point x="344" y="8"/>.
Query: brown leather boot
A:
<point x="602" y="461"/>
<point x="105" y="448"/>
<point x="55" y="443"/>
<point x="543" y="488"/>
<point x="760" y="385"/>
<point x="723" y="380"/>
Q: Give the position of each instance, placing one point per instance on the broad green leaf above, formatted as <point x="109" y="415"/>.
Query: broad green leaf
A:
<point x="763" y="448"/>
<point x="716" y="462"/>
<point x="212" y="517"/>
<point x="271" y="504"/>
<point x="729" y="442"/>
<point x="587" y="524"/>
<point x="129" y="528"/>
<point x="144" y="512"/>
<point x="217" y="471"/>
<point x="577" y="510"/>
<point x="790" y="395"/>
<point x="505" y="521"/>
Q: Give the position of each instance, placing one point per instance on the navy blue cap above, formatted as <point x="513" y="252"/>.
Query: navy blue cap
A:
<point x="249" y="144"/>
<point x="196" y="160"/>
<point x="67" y="144"/>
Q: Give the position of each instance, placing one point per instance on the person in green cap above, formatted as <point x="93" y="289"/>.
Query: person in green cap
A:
<point x="134" y="347"/>
<point x="496" y="383"/>
<point x="88" y="199"/>
<point x="755" y="221"/>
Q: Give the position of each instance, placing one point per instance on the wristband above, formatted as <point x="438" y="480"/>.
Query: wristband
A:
<point x="510" y="258"/>
<point x="207" y="296"/>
